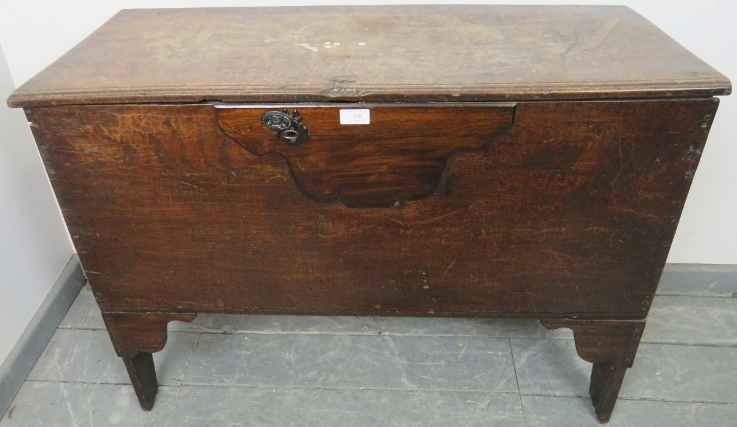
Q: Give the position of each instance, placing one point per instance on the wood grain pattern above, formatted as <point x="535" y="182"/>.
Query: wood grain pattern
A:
<point x="399" y="156"/>
<point x="569" y="212"/>
<point x="373" y="53"/>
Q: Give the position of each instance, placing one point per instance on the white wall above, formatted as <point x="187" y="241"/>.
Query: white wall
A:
<point x="34" y="245"/>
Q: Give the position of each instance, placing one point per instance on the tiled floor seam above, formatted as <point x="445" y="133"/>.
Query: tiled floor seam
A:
<point x="687" y="344"/>
<point x="94" y="383"/>
<point x="450" y="390"/>
<point x="644" y="399"/>
<point x="189" y="360"/>
<point x="651" y="399"/>
<point x="359" y="334"/>
<point x="516" y="380"/>
<point x="408" y="390"/>
<point x="694" y="294"/>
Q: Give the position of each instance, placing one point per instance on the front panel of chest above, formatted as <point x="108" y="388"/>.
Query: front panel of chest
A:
<point x="527" y="209"/>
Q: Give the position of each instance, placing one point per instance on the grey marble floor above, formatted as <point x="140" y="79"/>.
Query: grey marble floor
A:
<point x="347" y="371"/>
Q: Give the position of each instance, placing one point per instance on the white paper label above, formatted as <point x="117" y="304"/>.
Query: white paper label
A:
<point x="355" y="117"/>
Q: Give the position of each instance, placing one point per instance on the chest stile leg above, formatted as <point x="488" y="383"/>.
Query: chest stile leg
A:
<point x="611" y="346"/>
<point x="135" y="337"/>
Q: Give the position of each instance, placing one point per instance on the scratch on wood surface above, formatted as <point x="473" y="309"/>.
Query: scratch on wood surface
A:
<point x="285" y="177"/>
<point x="306" y="46"/>
<point x="423" y="222"/>
<point x="187" y="183"/>
<point x="451" y="265"/>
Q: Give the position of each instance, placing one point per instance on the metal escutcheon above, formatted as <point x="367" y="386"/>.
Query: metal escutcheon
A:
<point x="288" y="127"/>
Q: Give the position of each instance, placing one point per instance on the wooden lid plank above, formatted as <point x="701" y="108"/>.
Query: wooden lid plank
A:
<point x="372" y="53"/>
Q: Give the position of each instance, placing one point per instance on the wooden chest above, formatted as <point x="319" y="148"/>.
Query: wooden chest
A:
<point x="465" y="161"/>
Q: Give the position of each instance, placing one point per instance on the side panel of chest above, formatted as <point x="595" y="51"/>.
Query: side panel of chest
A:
<point x="569" y="210"/>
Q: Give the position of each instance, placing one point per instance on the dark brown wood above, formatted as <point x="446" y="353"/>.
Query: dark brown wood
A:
<point x="134" y="333"/>
<point x="606" y="380"/>
<point x="401" y="156"/>
<point x="373" y="53"/>
<point x="142" y="373"/>
<point x="611" y="347"/>
<point x="569" y="212"/>
<point x="559" y="201"/>
<point x="135" y="337"/>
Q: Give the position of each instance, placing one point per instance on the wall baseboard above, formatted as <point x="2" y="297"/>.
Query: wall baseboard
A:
<point x="719" y="280"/>
<point x="32" y="342"/>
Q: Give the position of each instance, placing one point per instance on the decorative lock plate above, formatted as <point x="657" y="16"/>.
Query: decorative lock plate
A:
<point x="288" y="127"/>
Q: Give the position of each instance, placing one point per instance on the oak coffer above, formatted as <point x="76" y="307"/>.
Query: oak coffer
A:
<point x="465" y="161"/>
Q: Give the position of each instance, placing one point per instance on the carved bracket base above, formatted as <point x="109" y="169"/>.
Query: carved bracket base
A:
<point x="611" y="346"/>
<point x="135" y="337"/>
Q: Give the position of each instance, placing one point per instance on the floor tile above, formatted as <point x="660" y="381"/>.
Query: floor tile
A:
<point x="379" y="362"/>
<point x="88" y="356"/>
<point x="84" y="313"/>
<point x="577" y="412"/>
<point x="550" y="367"/>
<point x="683" y="373"/>
<point x="693" y="321"/>
<point x="665" y="372"/>
<point x="58" y="404"/>
<point x="698" y="280"/>
<point x="290" y="407"/>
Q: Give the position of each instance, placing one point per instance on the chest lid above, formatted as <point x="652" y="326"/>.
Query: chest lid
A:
<point x="372" y="54"/>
